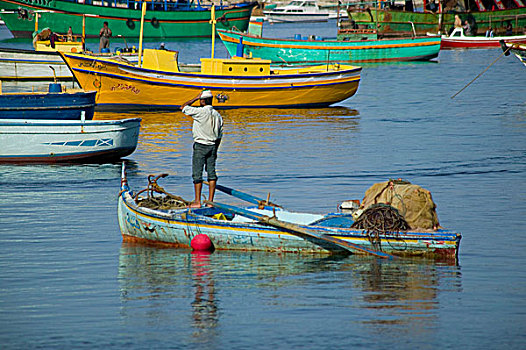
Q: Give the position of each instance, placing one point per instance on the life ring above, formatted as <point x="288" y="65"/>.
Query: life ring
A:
<point x="155" y="22"/>
<point x="130" y="23"/>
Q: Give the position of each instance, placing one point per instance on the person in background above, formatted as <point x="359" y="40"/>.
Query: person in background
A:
<point x="458" y="21"/>
<point x="207" y="131"/>
<point x="467" y="28"/>
<point x="105" y="35"/>
<point x="509" y="29"/>
<point x="162" y="47"/>
<point x="456" y="24"/>
<point x="70" y="34"/>
<point x="489" y="33"/>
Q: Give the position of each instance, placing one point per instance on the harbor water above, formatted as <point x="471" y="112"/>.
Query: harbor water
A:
<point x="67" y="281"/>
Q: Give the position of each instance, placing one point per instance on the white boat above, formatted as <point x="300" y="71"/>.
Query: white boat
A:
<point x="297" y="11"/>
<point x="457" y="39"/>
<point x="22" y="64"/>
<point x="51" y="141"/>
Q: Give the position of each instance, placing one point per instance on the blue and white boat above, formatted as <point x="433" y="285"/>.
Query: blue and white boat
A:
<point x="56" y="105"/>
<point x="51" y="141"/>
<point x="265" y="227"/>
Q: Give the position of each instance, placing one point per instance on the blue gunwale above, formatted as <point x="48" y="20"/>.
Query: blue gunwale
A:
<point x="200" y="85"/>
<point x="171" y="218"/>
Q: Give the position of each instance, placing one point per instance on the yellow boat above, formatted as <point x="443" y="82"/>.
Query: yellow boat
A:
<point x="161" y="84"/>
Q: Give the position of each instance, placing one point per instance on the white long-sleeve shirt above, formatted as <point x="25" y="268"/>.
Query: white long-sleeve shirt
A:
<point x="207" y="126"/>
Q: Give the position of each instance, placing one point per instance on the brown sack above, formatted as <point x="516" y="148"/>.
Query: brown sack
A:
<point x="412" y="201"/>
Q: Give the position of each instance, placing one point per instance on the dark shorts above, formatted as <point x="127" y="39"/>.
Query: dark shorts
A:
<point x="204" y="156"/>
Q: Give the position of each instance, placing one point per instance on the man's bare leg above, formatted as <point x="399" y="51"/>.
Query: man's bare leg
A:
<point x="198" y="187"/>
<point x="211" y="189"/>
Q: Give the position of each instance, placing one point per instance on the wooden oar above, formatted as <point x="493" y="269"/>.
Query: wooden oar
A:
<point x="334" y="244"/>
<point x="245" y="196"/>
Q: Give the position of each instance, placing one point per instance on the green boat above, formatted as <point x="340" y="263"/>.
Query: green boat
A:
<point x="402" y="20"/>
<point x="312" y="51"/>
<point x="164" y="19"/>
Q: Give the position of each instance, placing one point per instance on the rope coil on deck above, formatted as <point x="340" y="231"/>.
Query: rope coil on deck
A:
<point x="378" y="220"/>
<point x="165" y="202"/>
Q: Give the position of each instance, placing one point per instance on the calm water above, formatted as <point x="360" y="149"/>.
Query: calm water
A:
<point x="68" y="281"/>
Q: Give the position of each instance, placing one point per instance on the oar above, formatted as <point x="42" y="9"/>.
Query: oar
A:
<point x="334" y="244"/>
<point x="245" y="196"/>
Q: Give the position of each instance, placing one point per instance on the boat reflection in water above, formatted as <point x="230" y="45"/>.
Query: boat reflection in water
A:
<point x="161" y="131"/>
<point x="181" y="287"/>
<point x="168" y="134"/>
<point x="204" y="305"/>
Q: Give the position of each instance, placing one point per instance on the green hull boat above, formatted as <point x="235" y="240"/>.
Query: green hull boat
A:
<point x="397" y="22"/>
<point x="288" y="51"/>
<point x="163" y="19"/>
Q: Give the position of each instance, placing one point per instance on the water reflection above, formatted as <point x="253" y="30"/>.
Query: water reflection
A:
<point x="163" y="132"/>
<point x="204" y="306"/>
<point x="405" y="292"/>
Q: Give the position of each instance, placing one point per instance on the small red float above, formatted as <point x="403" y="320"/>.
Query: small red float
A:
<point x="202" y="242"/>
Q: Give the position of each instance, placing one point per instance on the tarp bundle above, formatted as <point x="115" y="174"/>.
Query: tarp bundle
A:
<point x="413" y="202"/>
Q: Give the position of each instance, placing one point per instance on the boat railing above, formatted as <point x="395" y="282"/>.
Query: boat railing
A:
<point x="152" y="5"/>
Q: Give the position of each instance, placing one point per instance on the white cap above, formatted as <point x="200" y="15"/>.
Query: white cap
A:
<point x="206" y="94"/>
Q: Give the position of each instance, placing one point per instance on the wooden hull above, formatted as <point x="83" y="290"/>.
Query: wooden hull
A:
<point x="317" y="51"/>
<point x="479" y="42"/>
<point x="52" y="141"/>
<point x="396" y="23"/>
<point x="124" y="20"/>
<point x="20" y="64"/>
<point x="57" y="106"/>
<point x="177" y="228"/>
<point x="126" y="87"/>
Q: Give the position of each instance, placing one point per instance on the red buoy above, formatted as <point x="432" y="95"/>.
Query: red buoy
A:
<point x="202" y="242"/>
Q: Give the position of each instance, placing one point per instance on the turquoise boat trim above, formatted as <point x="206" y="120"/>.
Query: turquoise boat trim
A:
<point x="317" y="51"/>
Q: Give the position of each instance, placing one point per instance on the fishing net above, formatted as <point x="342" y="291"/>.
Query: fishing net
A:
<point x="163" y="201"/>
<point x="413" y="202"/>
<point x="379" y="220"/>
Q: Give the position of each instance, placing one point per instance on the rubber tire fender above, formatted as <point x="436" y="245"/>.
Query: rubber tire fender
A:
<point x="130" y="23"/>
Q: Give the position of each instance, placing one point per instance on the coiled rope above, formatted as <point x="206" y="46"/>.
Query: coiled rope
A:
<point x="379" y="220"/>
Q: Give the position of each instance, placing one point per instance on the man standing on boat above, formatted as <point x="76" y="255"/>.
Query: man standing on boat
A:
<point x="105" y="34"/>
<point x="207" y="131"/>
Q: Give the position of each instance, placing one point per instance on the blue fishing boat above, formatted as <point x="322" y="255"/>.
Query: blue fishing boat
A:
<point x="48" y="105"/>
<point x="264" y="227"/>
<point x="53" y="141"/>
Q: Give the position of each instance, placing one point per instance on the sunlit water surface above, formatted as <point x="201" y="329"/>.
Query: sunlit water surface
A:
<point x="68" y="281"/>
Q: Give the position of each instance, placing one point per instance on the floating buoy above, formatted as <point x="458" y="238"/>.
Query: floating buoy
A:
<point x="202" y="242"/>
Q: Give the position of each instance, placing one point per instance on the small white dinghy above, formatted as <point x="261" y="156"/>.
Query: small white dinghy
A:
<point x="51" y="141"/>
